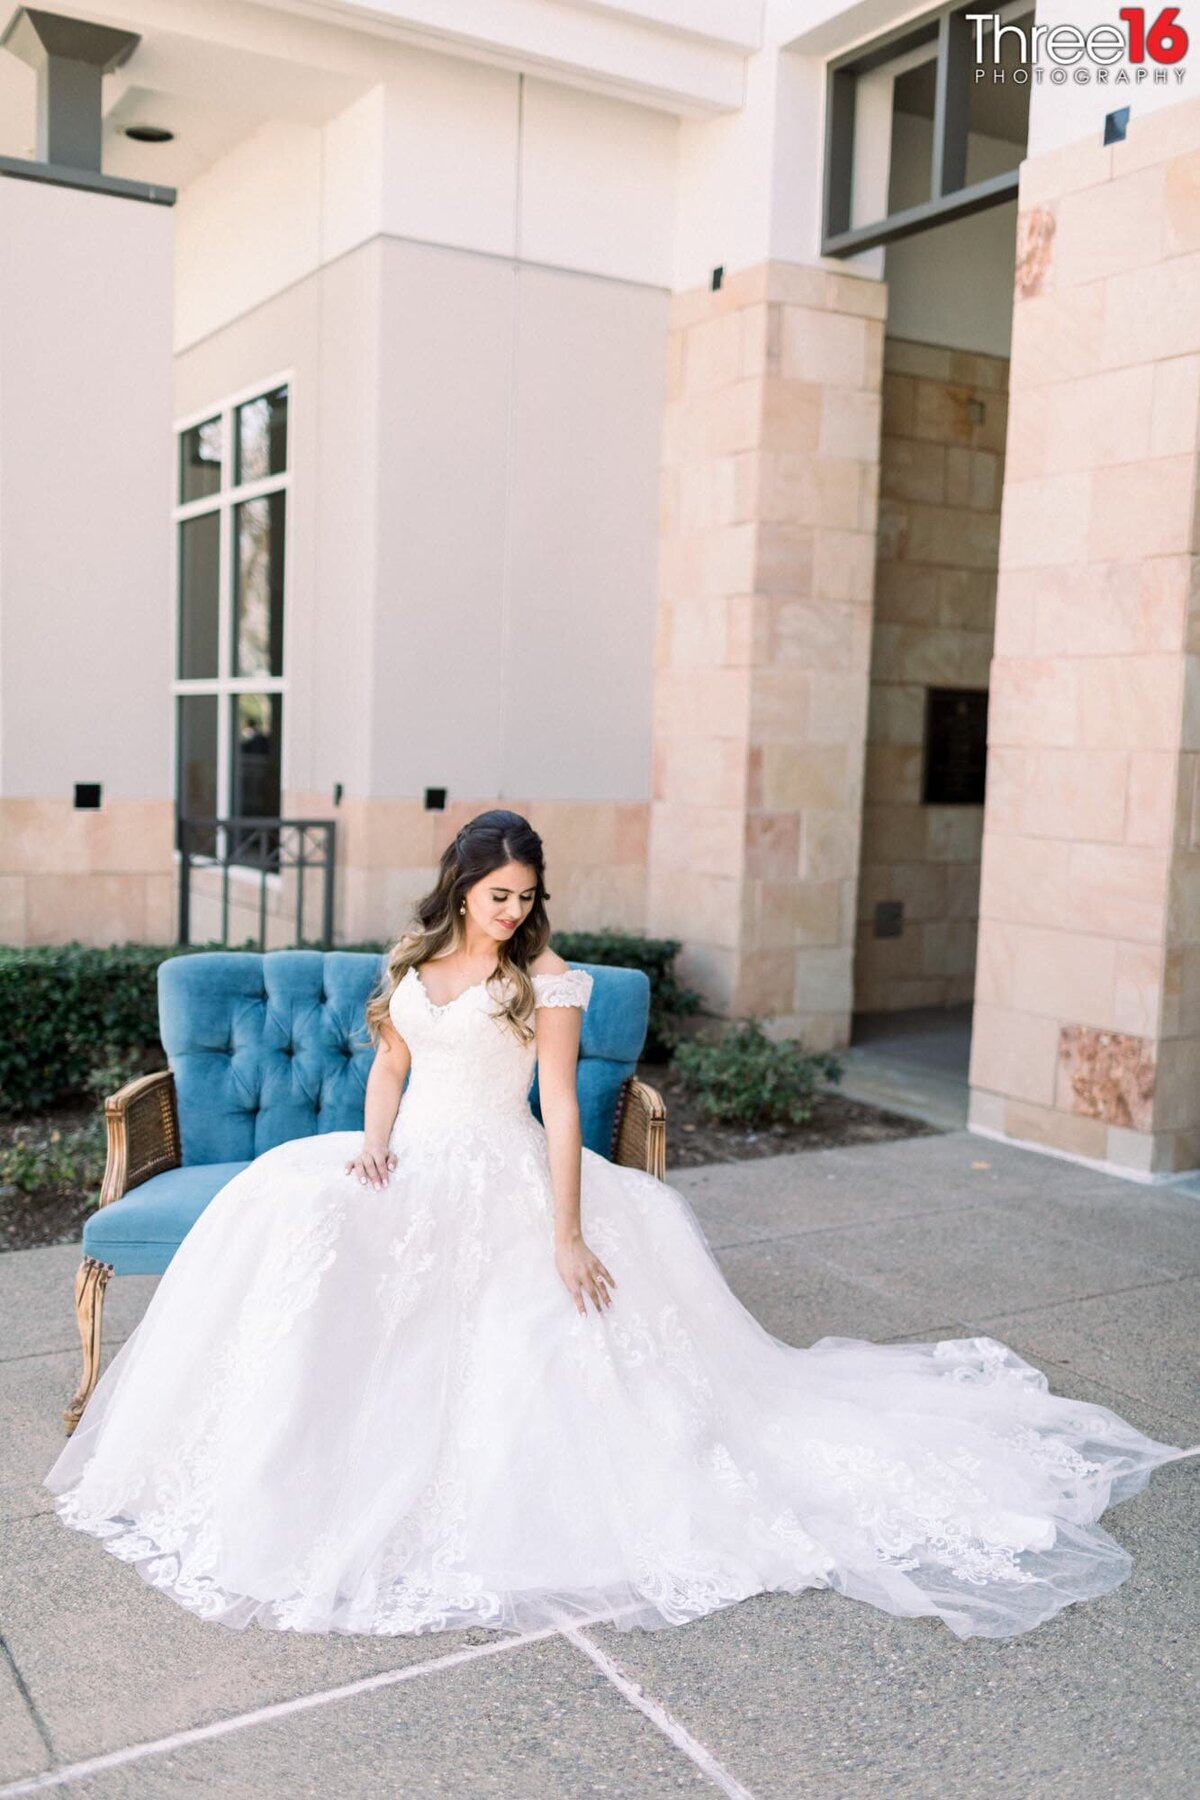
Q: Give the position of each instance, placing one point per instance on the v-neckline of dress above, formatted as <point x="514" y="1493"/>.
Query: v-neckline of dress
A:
<point x="440" y="1006"/>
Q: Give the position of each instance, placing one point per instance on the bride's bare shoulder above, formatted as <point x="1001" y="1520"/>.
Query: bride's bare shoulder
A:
<point x="549" y="962"/>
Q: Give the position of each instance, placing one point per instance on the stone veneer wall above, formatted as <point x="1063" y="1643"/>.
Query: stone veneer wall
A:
<point x="1087" y="1018"/>
<point x="941" y="473"/>
<point x="101" y="876"/>
<point x="769" y="507"/>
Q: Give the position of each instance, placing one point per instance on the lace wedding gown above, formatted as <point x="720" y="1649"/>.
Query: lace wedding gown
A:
<point x="360" y="1410"/>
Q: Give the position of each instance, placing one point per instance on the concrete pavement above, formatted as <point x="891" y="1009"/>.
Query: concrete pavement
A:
<point x="108" y="1689"/>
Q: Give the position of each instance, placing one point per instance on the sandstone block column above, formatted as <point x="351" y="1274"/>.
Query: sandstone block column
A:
<point x="770" y="494"/>
<point x="1087" y="1018"/>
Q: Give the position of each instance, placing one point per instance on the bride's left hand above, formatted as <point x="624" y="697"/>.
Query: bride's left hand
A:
<point x="583" y="1273"/>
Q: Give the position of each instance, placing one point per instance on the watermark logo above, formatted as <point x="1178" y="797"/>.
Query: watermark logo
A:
<point x="1144" y="50"/>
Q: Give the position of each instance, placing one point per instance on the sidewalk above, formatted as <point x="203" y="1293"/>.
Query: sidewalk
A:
<point x="783" y="1697"/>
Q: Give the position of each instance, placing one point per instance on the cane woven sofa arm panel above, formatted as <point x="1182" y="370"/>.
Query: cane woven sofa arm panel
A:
<point x="143" y="1133"/>
<point x="640" y="1128"/>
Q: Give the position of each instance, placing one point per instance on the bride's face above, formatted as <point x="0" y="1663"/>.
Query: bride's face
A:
<point x="500" y="903"/>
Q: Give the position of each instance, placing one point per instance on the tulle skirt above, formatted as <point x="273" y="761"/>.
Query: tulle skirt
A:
<point x="378" y="1411"/>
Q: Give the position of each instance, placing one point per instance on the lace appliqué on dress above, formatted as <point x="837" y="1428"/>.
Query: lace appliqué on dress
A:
<point x="563" y="987"/>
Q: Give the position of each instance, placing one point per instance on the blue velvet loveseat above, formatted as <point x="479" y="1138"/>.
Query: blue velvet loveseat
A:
<point x="265" y="1048"/>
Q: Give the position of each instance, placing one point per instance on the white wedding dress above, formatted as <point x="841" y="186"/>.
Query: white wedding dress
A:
<point x="359" y="1410"/>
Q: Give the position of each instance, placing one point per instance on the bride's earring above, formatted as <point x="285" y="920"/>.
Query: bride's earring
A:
<point x="462" y="906"/>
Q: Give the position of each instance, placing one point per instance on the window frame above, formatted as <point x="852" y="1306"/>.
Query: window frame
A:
<point x="225" y="502"/>
<point x="946" y="31"/>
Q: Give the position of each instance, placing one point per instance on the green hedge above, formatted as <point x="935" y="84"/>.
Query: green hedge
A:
<point x="70" y="1009"/>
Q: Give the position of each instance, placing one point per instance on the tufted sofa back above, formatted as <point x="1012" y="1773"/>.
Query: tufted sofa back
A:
<point x="270" y="1047"/>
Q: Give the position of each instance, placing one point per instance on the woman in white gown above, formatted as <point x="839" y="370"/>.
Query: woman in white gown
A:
<point x="460" y="1370"/>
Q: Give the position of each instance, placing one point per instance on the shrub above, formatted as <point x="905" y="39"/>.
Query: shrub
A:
<point x="77" y="1016"/>
<point x="748" y="1079"/>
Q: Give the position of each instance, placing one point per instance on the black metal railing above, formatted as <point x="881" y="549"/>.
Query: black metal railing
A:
<point x="268" y="846"/>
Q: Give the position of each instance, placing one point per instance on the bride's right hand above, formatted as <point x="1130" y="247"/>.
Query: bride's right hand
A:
<point x="372" y="1165"/>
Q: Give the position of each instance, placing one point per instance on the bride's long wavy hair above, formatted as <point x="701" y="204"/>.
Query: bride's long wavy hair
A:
<point x="488" y="841"/>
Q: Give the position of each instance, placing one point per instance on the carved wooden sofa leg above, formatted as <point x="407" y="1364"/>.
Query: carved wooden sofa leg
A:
<point x="91" y="1279"/>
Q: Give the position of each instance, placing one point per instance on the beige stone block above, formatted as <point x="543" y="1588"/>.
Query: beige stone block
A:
<point x="1181" y="991"/>
<point x="796" y="284"/>
<point x="948" y="947"/>
<point x="790" y="416"/>
<point x="1078" y="795"/>
<point x="95" y="908"/>
<point x="843" y="565"/>
<point x="1190" y="723"/>
<point x="976" y="369"/>
<point x="1182" y="203"/>
<point x="817" y="346"/>
<point x="705" y="839"/>
<point x="802" y="489"/>
<point x="12" y="910"/>
<point x="985" y="1112"/>
<point x="1017" y="592"/>
<point x="1025" y="880"/>
<point x="824" y="980"/>
<point x="909" y="356"/>
<point x="816" y="910"/>
<point x="795" y="778"/>
<point x="749" y="628"/>
<point x="1105" y="229"/>
<point x="772" y="845"/>
<point x="861" y="294"/>
<point x="829" y="841"/>
<point x="942" y="412"/>
<point x="689" y="703"/>
<point x="1130" y="702"/>
<point x="921" y="887"/>
<point x="1177" y="1085"/>
<point x="1056" y="337"/>
<point x="912" y="470"/>
<point x="1046" y="521"/>
<point x="953" y="535"/>
<point x="1175" y="412"/>
<point x="893" y="773"/>
<point x="973" y="478"/>
<point x="930" y="657"/>
<point x="962" y="891"/>
<point x="1183" y="927"/>
<point x="1119" y="890"/>
<point x="1096" y="421"/>
<point x="906" y="594"/>
<point x="1072" y="1132"/>
<point x="954" y="834"/>
<point x="674" y="365"/>
<point x="1158" y="136"/>
<point x="837" y="710"/>
<point x="897" y="714"/>
<point x="1029" y="412"/>
<point x="778" y="711"/>
<point x="1033" y="702"/>
<point x="760" y="340"/>
<point x="1153" y="312"/>
<point x="817" y="634"/>
<point x="849" y="424"/>
<point x="1151" y="799"/>
<point x="1066" y="975"/>
<point x="899" y="416"/>
<point x="893" y="834"/>
<point x="712" y="353"/>
<point x="1064" y="170"/>
<point x="1138" y="996"/>
<point x="1012" y="1053"/>
<point x="698" y="771"/>
<point x="967" y="600"/>
<point x="1143" y="509"/>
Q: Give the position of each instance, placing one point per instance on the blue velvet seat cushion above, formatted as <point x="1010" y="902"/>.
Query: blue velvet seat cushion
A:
<point x="139" y="1233"/>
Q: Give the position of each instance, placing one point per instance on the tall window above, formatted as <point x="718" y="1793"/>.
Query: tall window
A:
<point x="231" y="518"/>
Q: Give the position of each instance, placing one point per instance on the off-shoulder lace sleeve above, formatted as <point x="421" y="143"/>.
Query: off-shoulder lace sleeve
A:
<point x="562" y="987"/>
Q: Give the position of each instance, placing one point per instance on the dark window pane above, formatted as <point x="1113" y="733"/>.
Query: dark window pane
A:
<point x="255" y="774"/>
<point x="199" y="554"/>
<point x="196" y="739"/>
<point x="200" y="460"/>
<point x="258" y="586"/>
<point x="262" y="436"/>
<point x="955" y="746"/>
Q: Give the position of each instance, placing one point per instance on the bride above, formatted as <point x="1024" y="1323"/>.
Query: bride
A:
<point x="461" y="1370"/>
